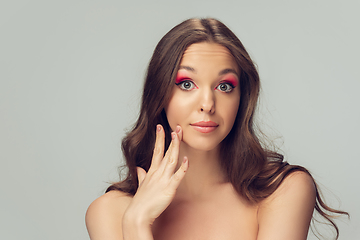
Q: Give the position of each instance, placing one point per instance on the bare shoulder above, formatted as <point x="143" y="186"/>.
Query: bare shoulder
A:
<point x="287" y="213"/>
<point x="298" y="183"/>
<point x="104" y="215"/>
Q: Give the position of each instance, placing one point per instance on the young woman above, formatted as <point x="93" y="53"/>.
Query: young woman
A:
<point x="196" y="168"/>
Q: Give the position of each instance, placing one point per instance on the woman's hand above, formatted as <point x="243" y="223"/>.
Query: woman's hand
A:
<point x="158" y="186"/>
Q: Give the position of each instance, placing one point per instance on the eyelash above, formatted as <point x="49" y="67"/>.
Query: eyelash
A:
<point x="181" y="86"/>
<point x="193" y="86"/>
<point x="230" y="85"/>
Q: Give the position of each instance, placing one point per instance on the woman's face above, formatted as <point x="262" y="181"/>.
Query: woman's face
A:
<point x="206" y="96"/>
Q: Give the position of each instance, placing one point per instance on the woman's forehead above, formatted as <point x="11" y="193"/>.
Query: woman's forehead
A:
<point x="204" y="53"/>
<point x="207" y="48"/>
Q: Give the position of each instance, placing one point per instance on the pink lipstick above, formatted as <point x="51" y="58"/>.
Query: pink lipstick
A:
<point x="205" y="126"/>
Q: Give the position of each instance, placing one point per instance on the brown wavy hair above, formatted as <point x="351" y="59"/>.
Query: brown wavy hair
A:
<point x="254" y="171"/>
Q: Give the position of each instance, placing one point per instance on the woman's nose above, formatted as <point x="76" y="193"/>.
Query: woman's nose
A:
<point x="207" y="102"/>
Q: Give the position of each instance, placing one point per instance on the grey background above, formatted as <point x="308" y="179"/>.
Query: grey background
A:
<point x="70" y="81"/>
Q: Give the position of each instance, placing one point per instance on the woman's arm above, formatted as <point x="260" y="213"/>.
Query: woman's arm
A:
<point x="287" y="213"/>
<point x="116" y="216"/>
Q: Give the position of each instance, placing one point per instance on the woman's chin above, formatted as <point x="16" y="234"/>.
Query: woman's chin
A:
<point x="199" y="146"/>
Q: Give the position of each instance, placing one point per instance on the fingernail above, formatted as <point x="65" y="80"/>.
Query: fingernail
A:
<point x="173" y="135"/>
<point x="178" y="129"/>
<point x="158" y="128"/>
<point x="185" y="159"/>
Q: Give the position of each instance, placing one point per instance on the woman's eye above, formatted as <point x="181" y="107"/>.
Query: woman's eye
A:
<point x="186" y="85"/>
<point x="225" y="87"/>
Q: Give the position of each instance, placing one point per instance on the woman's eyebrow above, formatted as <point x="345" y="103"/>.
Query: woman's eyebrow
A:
<point x="222" y="72"/>
<point x="228" y="70"/>
<point x="187" y="68"/>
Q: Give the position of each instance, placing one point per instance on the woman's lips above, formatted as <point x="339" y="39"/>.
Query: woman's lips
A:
<point x="205" y="126"/>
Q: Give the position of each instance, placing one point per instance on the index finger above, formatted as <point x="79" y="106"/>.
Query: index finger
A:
<point x="172" y="155"/>
<point x="158" y="153"/>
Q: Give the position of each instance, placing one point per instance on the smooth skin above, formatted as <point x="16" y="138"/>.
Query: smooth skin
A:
<point x="190" y="199"/>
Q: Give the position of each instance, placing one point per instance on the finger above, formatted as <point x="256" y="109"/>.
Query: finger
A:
<point x="173" y="156"/>
<point x="158" y="152"/>
<point x="141" y="174"/>
<point x="165" y="160"/>
<point x="179" y="132"/>
<point x="179" y="174"/>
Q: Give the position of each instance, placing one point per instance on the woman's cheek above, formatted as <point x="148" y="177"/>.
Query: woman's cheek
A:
<point x="171" y="113"/>
<point x="179" y="109"/>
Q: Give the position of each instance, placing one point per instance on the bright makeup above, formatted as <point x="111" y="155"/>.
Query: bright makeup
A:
<point x="231" y="79"/>
<point x="181" y="76"/>
<point x="200" y="103"/>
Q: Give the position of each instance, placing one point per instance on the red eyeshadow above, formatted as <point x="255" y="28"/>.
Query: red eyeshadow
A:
<point x="231" y="79"/>
<point x="180" y="77"/>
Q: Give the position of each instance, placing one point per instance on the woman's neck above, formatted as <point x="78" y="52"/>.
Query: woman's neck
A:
<point x="203" y="175"/>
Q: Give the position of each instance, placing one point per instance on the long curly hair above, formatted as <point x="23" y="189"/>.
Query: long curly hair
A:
<point x="254" y="171"/>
